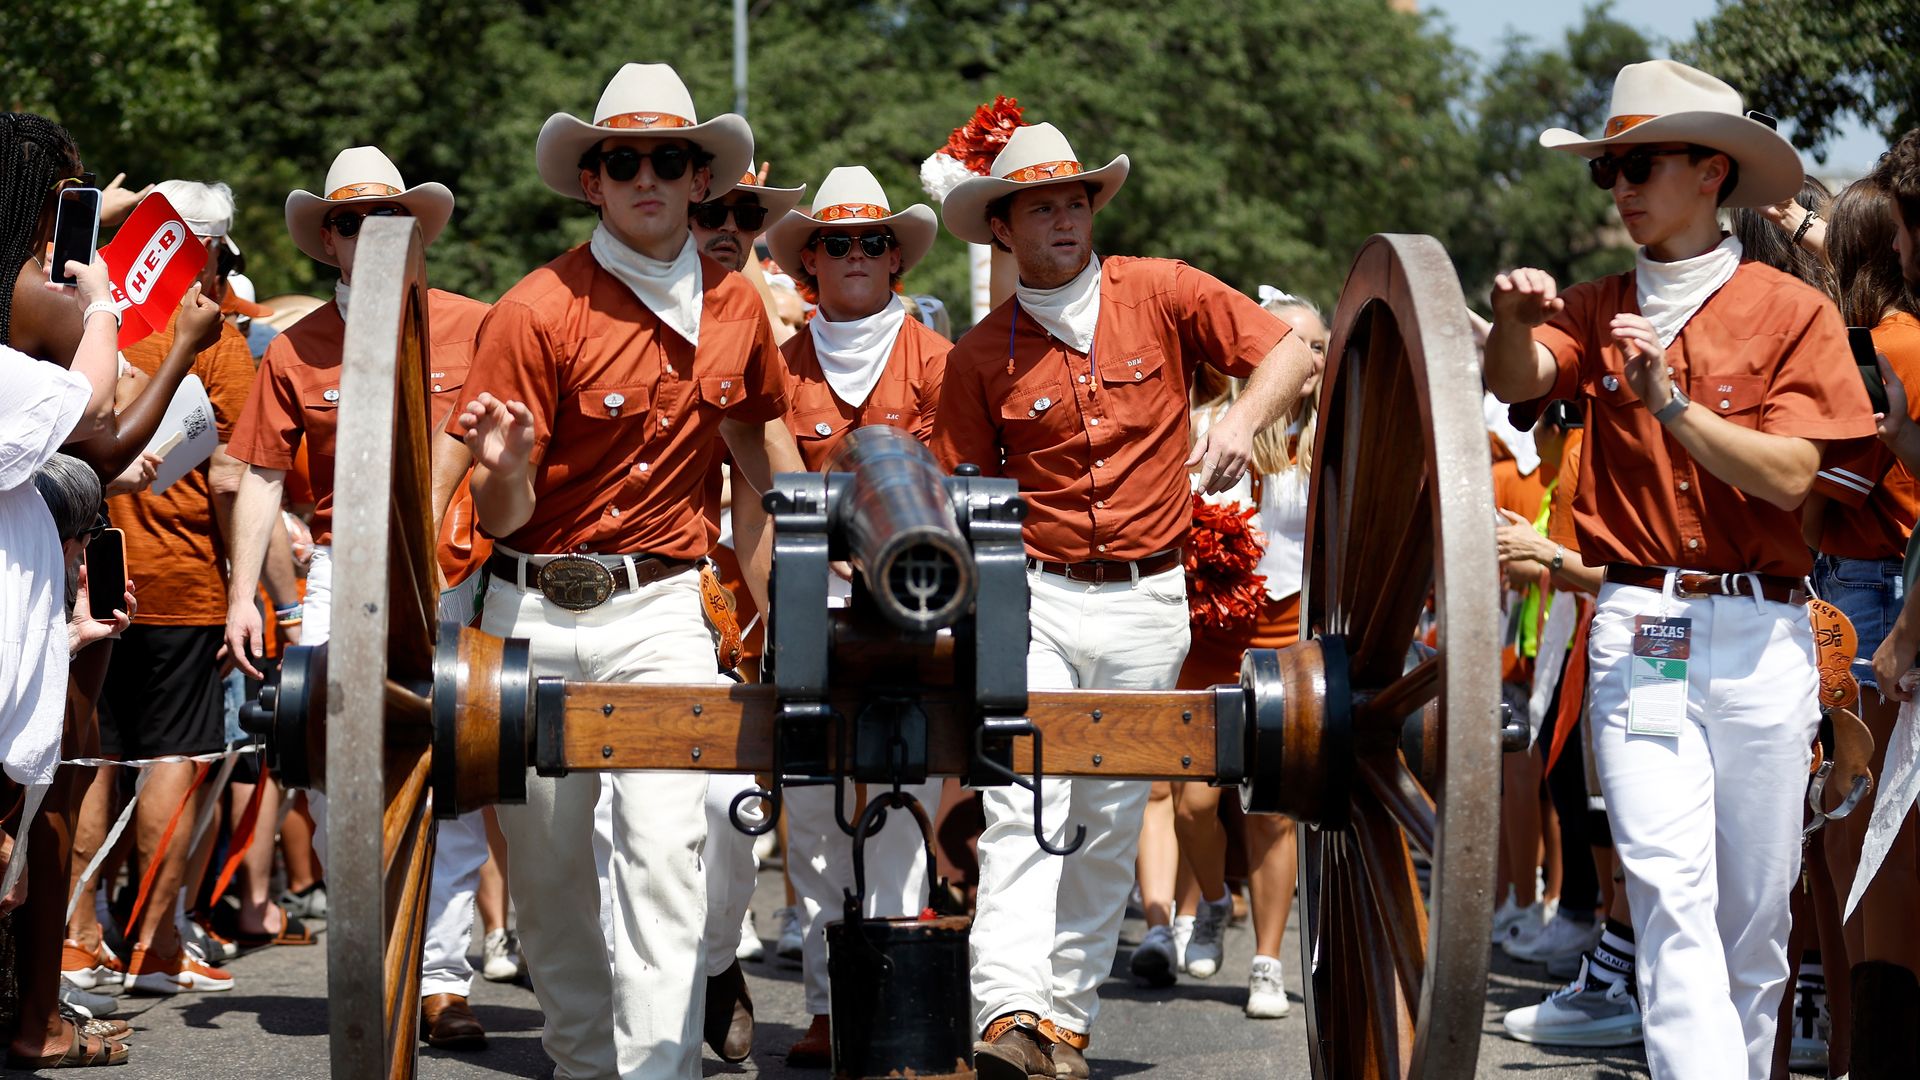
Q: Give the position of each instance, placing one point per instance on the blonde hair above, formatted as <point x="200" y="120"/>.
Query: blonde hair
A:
<point x="1213" y="390"/>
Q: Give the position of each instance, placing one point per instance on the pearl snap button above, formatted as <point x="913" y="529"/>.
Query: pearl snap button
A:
<point x="1725" y="403"/>
<point x="1610" y="383"/>
<point x="614" y="401"/>
<point x="1684" y="486"/>
<point x="1139" y="375"/>
<point x="1693" y="543"/>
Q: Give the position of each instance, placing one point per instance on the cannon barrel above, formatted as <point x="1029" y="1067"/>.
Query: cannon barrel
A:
<point x="900" y="531"/>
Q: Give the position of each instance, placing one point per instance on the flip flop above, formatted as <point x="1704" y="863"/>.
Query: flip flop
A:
<point x="85" y="1051"/>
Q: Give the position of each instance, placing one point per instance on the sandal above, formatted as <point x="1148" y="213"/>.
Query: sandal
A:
<point x="293" y="932"/>
<point x="86" y="1051"/>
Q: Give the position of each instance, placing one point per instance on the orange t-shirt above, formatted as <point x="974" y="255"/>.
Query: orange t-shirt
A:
<point x="627" y="414"/>
<point x="1099" y="443"/>
<point x="296" y="400"/>
<point x="1767" y="352"/>
<point x="907" y="395"/>
<point x="1874" y="498"/>
<point x="176" y="554"/>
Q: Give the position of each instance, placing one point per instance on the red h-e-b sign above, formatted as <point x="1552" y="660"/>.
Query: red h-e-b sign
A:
<point x="152" y="261"/>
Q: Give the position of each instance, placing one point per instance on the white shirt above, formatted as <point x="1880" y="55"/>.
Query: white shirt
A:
<point x="1282" y="518"/>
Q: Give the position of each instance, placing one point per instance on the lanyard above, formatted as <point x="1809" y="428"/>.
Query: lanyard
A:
<point x="1013" y="330"/>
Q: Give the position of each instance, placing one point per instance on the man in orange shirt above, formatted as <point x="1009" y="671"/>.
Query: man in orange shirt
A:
<point x="1702" y="680"/>
<point x="1077" y="387"/>
<point x="609" y="382"/>
<point x="862" y="360"/>
<point x="295" y="404"/>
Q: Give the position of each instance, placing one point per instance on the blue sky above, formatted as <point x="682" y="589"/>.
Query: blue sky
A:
<point x="1483" y="26"/>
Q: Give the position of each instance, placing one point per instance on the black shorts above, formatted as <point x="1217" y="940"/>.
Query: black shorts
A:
<point x="163" y="693"/>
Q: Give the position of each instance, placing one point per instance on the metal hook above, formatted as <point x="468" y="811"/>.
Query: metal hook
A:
<point x="770" y="797"/>
<point x="1013" y="727"/>
<point x="1861" y="785"/>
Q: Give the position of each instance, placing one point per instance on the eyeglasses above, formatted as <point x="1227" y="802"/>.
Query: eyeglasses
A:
<point x="346" y="223"/>
<point x="1636" y="165"/>
<point x="840" y="245"/>
<point x="99" y="526"/>
<point x="713" y="215"/>
<point x="622" y="163"/>
<point x="85" y="179"/>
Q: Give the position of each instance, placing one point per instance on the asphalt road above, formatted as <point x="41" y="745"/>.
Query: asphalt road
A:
<point x="273" y="1025"/>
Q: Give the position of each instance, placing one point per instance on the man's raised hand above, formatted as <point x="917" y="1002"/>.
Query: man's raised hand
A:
<point x="1526" y="296"/>
<point x="499" y="433"/>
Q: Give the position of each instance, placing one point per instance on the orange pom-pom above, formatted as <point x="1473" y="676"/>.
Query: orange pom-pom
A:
<point x="981" y="140"/>
<point x="1223" y="548"/>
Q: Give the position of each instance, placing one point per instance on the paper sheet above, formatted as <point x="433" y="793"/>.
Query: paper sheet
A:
<point x="186" y="436"/>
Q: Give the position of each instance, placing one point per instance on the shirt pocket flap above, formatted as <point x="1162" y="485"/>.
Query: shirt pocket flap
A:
<point x="1609" y="387"/>
<point x="1031" y="402"/>
<point x="611" y="402"/>
<point x="320" y="398"/>
<point x="1133" y="366"/>
<point x="723" y="391"/>
<point x="445" y="378"/>
<point x="1730" y="395"/>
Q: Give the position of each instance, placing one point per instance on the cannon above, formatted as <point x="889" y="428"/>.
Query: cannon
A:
<point x="1380" y="731"/>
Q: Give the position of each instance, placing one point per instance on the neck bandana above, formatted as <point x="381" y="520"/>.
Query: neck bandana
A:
<point x="1068" y="312"/>
<point x="1670" y="292"/>
<point x="340" y="294"/>
<point x="854" y="353"/>
<point x="671" y="290"/>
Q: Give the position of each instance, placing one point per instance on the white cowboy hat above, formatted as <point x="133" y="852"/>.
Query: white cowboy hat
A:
<point x="643" y="99"/>
<point x="775" y="200"/>
<point x="851" y="196"/>
<point x="1666" y="101"/>
<point x="1035" y="156"/>
<point x="364" y="174"/>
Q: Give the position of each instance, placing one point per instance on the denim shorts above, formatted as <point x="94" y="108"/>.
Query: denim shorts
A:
<point x="1870" y="593"/>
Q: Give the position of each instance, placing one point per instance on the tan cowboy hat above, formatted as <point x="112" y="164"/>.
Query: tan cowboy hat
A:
<point x="364" y="174"/>
<point x="851" y="196"/>
<point x="643" y="99"/>
<point x="1667" y="101"/>
<point x="777" y="201"/>
<point x="1035" y="156"/>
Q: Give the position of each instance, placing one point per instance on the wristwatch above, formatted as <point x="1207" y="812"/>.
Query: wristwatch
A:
<point x="1674" y="406"/>
<point x="1559" y="558"/>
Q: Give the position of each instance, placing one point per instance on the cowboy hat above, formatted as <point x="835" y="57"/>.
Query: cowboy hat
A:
<point x="643" y="99"/>
<point x="364" y="174"/>
<point x="776" y="201"/>
<point x="850" y="196"/>
<point x="1666" y="101"/>
<point x="1035" y="156"/>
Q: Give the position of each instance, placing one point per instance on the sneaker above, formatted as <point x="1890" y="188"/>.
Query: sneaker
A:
<point x="1810" y="1023"/>
<point x="1154" y="962"/>
<point x="1532" y="922"/>
<point x="1562" y="938"/>
<point x="308" y="903"/>
<point x="750" y="947"/>
<point x="792" y="935"/>
<point x="90" y="969"/>
<point x="1589" y="1011"/>
<point x="203" y="938"/>
<point x="187" y="972"/>
<point x="1505" y="916"/>
<point x="86" y="1002"/>
<point x="1266" y="997"/>
<point x="1201" y="958"/>
<point x="500" y="954"/>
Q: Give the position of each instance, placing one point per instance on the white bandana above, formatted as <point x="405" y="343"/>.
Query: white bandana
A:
<point x="1068" y="312"/>
<point x="854" y="353"/>
<point x="671" y="290"/>
<point x="1670" y="292"/>
<point x="340" y="294"/>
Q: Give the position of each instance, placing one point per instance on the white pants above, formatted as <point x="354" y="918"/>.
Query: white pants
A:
<point x="316" y="617"/>
<point x="820" y="862"/>
<point x="639" y="1016"/>
<point x="731" y="867"/>
<point x="1047" y="928"/>
<point x="1707" y="824"/>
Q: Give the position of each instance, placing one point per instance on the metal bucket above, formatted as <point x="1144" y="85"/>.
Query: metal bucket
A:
<point x="901" y="1001"/>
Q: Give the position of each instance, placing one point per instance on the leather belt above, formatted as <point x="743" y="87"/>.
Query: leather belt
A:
<point x="578" y="583"/>
<point x="1693" y="583"/>
<point x="1102" y="571"/>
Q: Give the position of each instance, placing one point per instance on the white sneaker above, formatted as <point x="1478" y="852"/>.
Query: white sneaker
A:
<point x="500" y="954"/>
<point x="750" y="947"/>
<point x="1562" y="938"/>
<point x="1266" y="997"/>
<point x="1505" y="916"/>
<point x="1589" y="1011"/>
<point x="85" y="1002"/>
<point x="1810" y="1024"/>
<point x="1202" y="956"/>
<point x="1532" y="922"/>
<point x="792" y="934"/>
<point x="1154" y="962"/>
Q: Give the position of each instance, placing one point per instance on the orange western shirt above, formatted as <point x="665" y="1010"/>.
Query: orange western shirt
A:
<point x="296" y="399"/>
<point x="626" y="413"/>
<point x="1766" y="352"/>
<point x="176" y="555"/>
<point x="1099" y="443"/>
<point x="907" y="395"/>
<point x="1875" y="499"/>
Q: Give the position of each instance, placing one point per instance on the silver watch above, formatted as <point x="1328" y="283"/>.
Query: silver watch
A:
<point x="1674" y="407"/>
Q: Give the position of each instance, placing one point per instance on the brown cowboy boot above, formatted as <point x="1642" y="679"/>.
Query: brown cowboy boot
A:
<point x="1013" y="1048"/>
<point x="1069" y="1051"/>
<point x="815" y="1048"/>
<point x="446" y="1022"/>
<point x="729" y="1027"/>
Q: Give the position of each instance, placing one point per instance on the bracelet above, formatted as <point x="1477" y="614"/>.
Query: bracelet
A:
<point x="291" y="611"/>
<point x="1805" y="224"/>
<point x="295" y="621"/>
<point x="107" y="306"/>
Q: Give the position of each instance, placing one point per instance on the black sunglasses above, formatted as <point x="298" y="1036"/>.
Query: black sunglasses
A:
<point x="713" y="215"/>
<point x="1636" y="165"/>
<point x="840" y="245"/>
<point x="622" y="163"/>
<point x="346" y="223"/>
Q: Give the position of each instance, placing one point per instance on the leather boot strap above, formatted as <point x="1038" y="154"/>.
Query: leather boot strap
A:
<point x="1003" y="1024"/>
<point x="1059" y="1034"/>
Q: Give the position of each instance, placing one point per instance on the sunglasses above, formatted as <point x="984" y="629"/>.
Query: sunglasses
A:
<point x="840" y="245"/>
<point x="622" y="163"/>
<point x="99" y="526"/>
<point x="713" y="215"/>
<point x="85" y="180"/>
<point x="346" y="223"/>
<point x="1636" y="165"/>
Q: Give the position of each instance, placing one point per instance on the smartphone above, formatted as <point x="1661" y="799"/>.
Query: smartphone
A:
<point x="107" y="574"/>
<point x="76" y="231"/>
<point x="1865" y="359"/>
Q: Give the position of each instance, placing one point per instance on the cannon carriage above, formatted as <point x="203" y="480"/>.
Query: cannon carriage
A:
<point x="1380" y="731"/>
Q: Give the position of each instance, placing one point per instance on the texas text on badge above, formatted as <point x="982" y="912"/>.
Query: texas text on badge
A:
<point x="1664" y="638"/>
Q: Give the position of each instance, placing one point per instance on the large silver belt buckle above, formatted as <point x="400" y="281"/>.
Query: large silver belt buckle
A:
<point x="576" y="583"/>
